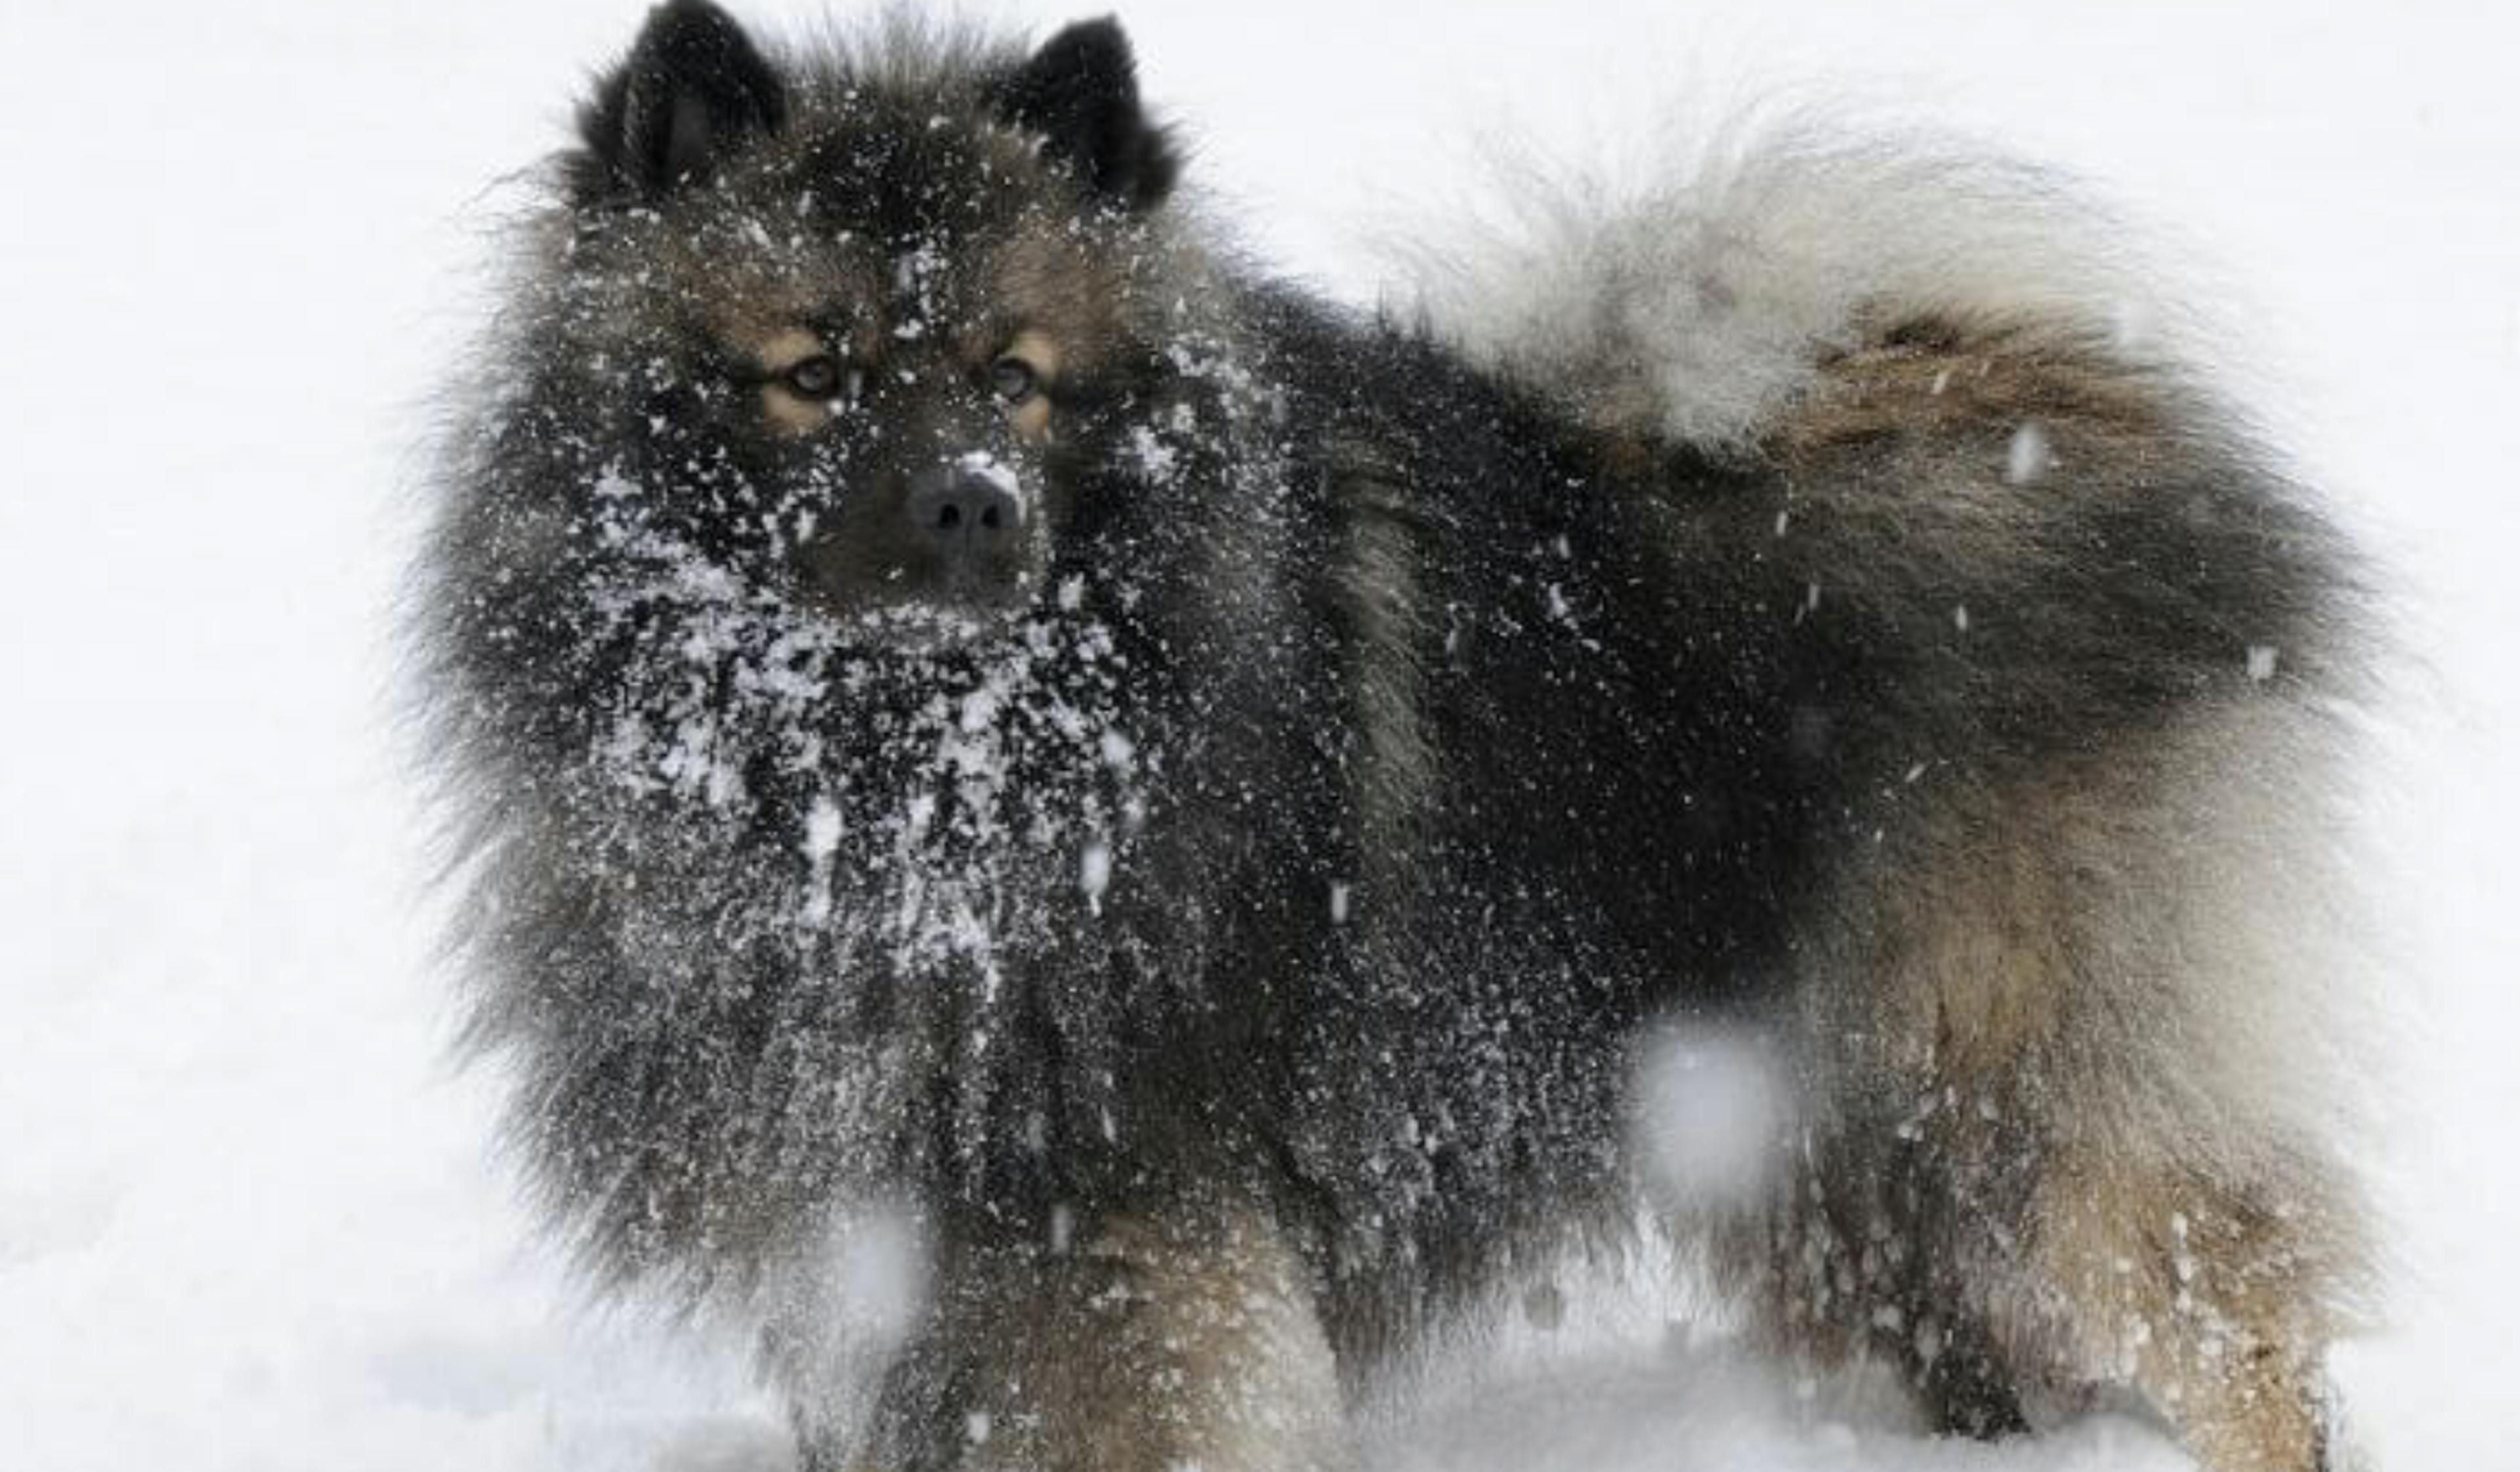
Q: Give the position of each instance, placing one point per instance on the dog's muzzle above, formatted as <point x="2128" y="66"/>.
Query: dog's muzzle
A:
<point x="969" y="517"/>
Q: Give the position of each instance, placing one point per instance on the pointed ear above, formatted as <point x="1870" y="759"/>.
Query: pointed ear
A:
<point x="1080" y="93"/>
<point x="693" y="91"/>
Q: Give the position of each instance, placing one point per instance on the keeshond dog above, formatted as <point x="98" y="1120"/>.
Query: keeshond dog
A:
<point x="1108" y="846"/>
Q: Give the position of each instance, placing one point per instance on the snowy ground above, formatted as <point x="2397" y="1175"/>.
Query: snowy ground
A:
<point x="246" y="1217"/>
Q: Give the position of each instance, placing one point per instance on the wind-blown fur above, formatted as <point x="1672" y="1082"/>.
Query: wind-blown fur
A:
<point x="1797" y="604"/>
<point x="1698" y="299"/>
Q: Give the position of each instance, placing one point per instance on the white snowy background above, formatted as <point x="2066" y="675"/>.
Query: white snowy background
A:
<point x="248" y="1217"/>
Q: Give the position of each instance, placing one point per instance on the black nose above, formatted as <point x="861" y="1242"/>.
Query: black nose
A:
<point x="965" y="512"/>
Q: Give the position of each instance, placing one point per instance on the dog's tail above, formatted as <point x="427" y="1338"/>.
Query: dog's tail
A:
<point x="1698" y="303"/>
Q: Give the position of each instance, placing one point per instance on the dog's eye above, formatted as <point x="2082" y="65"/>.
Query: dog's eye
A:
<point x="1014" y="380"/>
<point x="817" y="377"/>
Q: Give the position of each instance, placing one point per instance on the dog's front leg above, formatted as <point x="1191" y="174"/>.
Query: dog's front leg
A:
<point x="1148" y="1341"/>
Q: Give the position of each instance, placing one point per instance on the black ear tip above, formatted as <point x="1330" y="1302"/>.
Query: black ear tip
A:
<point x="699" y="41"/>
<point x="1080" y="91"/>
<point x="1089" y="56"/>
<point x="679" y="29"/>
<point x="696" y="15"/>
<point x="692" y="89"/>
<point x="1101" y="37"/>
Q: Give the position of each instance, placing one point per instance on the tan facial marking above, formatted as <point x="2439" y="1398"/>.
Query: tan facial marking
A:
<point x="1032" y="420"/>
<point x="788" y="347"/>
<point x="1036" y="348"/>
<point x="786" y="408"/>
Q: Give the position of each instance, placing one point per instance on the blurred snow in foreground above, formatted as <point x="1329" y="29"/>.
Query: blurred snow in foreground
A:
<point x="1678" y="1410"/>
<point x="1708" y="1411"/>
<point x="1710" y="1118"/>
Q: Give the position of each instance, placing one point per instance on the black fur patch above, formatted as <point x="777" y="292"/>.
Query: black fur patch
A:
<point x="1080" y="93"/>
<point x="693" y="89"/>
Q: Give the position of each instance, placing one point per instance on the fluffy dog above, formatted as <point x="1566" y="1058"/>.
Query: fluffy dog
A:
<point x="1103" y="842"/>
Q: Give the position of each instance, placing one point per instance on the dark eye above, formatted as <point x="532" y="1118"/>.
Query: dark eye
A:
<point x="817" y="377"/>
<point x="1014" y="380"/>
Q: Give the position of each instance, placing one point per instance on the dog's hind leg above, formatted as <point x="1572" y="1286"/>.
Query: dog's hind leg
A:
<point x="2060" y="1157"/>
<point x="2203" y="1295"/>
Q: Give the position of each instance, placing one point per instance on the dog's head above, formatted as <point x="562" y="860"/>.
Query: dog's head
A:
<point x="859" y="326"/>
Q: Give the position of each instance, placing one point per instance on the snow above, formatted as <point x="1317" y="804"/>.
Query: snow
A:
<point x="2029" y="457"/>
<point x="989" y="468"/>
<point x="250" y="1215"/>
<point x="1701" y="1410"/>
<point x="1094" y="874"/>
<point x="879" y="1273"/>
<point x="1711" y="1115"/>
